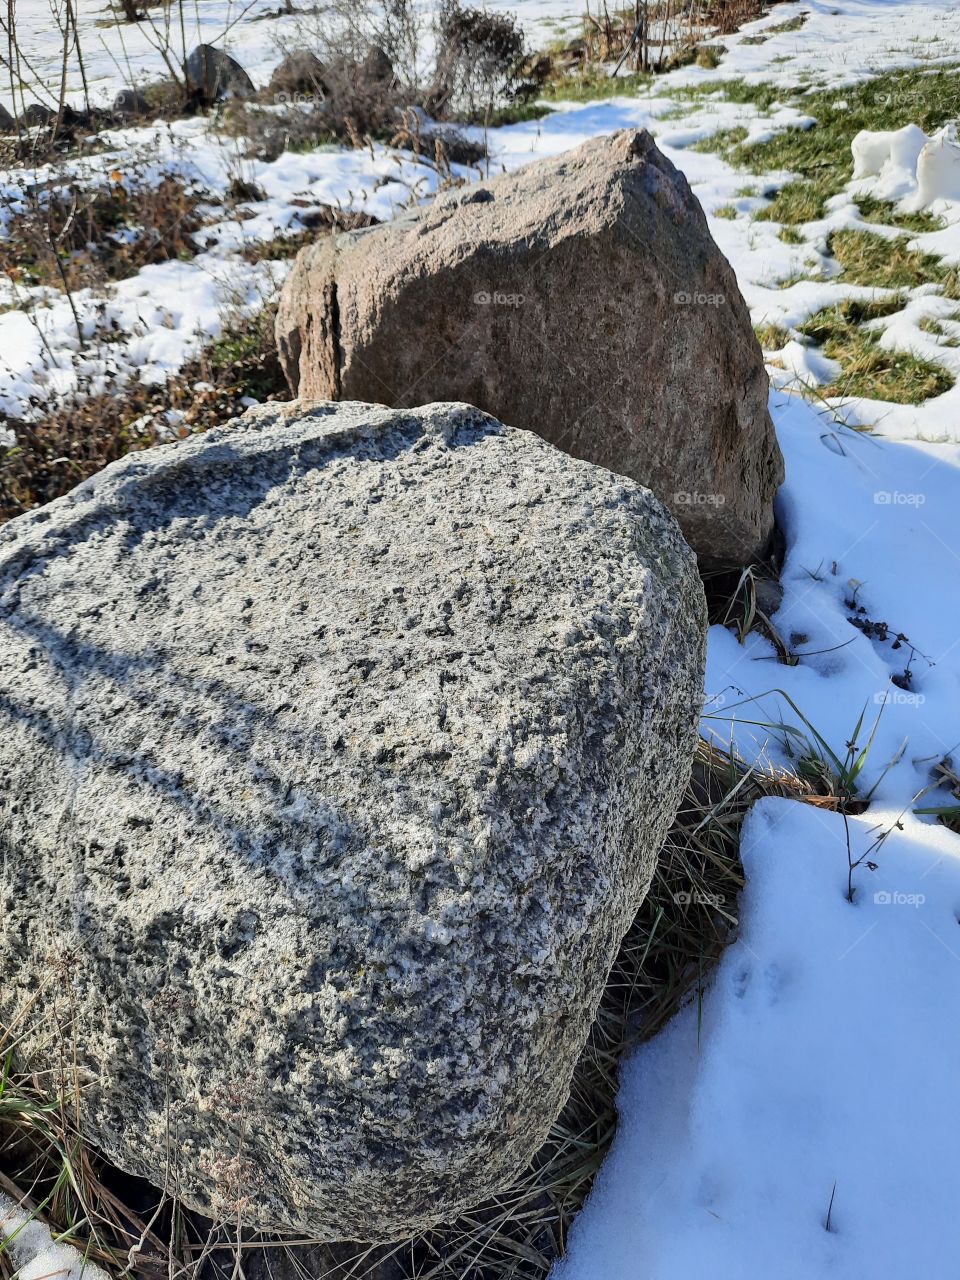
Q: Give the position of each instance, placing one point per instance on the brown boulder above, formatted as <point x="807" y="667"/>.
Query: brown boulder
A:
<point x="376" y="66"/>
<point x="582" y="298"/>
<point x="300" y="72"/>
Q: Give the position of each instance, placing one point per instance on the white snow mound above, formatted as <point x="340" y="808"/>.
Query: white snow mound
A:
<point x="938" y="168"/>
<point x="876" y="153"/>
<point x="906" y="164"/>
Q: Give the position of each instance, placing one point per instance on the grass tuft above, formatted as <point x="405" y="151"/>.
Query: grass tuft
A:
<point x="889" y="215"/>
<point x="594" y="84"/>
<point x="771" y="336"/>
<point x="879" y="263"/>
<point x="793" y="24"/>
<point x="722" y="141"/>
<point x="867" y="368"/>
<point x="795" y="203"/>
<point x="710" y="56"/>
<point x="936" y="330"/>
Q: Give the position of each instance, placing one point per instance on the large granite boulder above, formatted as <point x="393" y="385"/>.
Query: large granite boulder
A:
<point x="581" y="297"/>
<point x="336" y="750"/>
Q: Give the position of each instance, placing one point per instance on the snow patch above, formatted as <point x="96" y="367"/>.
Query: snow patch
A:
<point x="32" y="1249"/>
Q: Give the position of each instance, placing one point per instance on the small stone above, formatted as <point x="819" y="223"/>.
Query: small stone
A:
<point x="214" y="76"/>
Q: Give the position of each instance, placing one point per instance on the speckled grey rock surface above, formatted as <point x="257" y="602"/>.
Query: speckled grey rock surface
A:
<point x="336" y="749"/>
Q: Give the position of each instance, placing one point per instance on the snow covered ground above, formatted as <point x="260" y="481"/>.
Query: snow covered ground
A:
<point x="159" y="318"/>
<point x="802" y="1131"/>
<point x="255" y="32"/>
<point x="797" y="1124"/>
<point x="824" y="1062"/>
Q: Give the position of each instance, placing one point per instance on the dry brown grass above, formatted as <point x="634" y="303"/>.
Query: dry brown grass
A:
<point x="72" y="238"/>
<point x="669" y="34"/>
<point x="84" y="434"/>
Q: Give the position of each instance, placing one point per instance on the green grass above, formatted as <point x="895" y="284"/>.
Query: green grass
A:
<point x="866" y="368"/>
<point x="677" y="113"/>
<point x="592" y="85"/>
<point x="790" y="235"/>
<point x="722" y="141"/>
<point x="796" y="202"/>
<point x="710" y="55"/>
<point x="789" y="281"/>
<point x="794" y="24"/>
<point x="821" y="155"/>
<point x="936" y="330"/>
<point x="518" y="113"/>
<point x="879" y="263"/>
<point x="857" y="311"/>
<point x="330" y="141"/>
<point x="762" y="96"/>
<point x="887" y="213"/>
<point x="728" y="211"/>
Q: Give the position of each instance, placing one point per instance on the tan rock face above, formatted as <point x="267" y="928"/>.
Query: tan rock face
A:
<point x="582" y="298"/>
